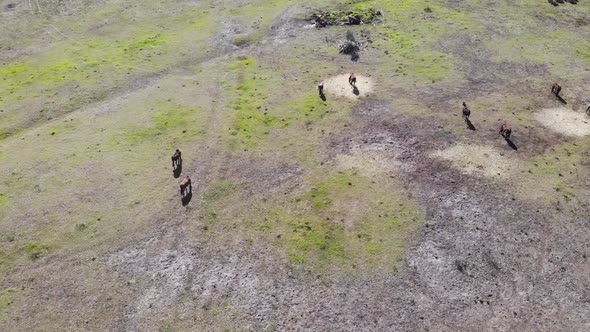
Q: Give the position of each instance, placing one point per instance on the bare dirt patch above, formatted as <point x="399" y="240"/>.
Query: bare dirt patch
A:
<point x="338" y="85"/>
<point x="565" y="121"/>
<point x="368" y="162"/>
<point x="479" y="160"/>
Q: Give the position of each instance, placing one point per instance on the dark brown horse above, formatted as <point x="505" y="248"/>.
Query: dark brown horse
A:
<point x="184" y="184"/>
<point x="505" y="131"/>
<point x="352" y="79"/>
<point x="176" y="158"/>
<point x="556" y="89"/>
<point x="466" y="112"/>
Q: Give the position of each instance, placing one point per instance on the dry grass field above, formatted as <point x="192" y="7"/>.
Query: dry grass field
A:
<point x="376" y="209"/>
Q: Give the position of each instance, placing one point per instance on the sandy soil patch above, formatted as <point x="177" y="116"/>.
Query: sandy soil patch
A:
<point x="479" y="160"/>
<point x="338" y="85"/>
<point x="369" y="163"/>
<point x="565" y="121"/>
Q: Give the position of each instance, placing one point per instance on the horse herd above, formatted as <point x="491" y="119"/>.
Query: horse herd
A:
<point x="505" y="129"/>
<point x="186" y="187"/>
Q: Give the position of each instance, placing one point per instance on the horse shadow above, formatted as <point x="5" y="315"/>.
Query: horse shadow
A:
<point x="323" y="96"/>
<point x="187" y="199"/>
<point x="177" y="170"/>
<point x="470" y="125"/>
<point x="561" y="99"/>
<point x="511" y="144"/>
<point x="355" y="90"/>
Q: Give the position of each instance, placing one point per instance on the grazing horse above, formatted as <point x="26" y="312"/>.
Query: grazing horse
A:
<point x="556" y="89"/>
<point x="176" y="158"/>
<point x="505" y="131"/>
<point x="321" y="88"/>
<point x="186" y="183"/>
<point x="352" y="79"/>
<point x="466" y="112"/>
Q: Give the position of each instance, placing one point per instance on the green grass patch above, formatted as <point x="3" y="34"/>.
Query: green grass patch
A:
<point x="36" y="250"/>
<point x="314" y="241"/>
<point x="257" y="112"/>
<point x="565" y="190"/>
<point x="7" y="297"/>
<point x="88" y="67"/>
<point x="167" y="121"/>
<point x="311" y="107"/>
<point x="556" y="48"/>
<point x="320" y="197"/>
<point x="252" y="119"/>
<point x="556" y="175"/>
<point x="144" y="43"/>
<point x="12" y="69"/>
<point x="349" y="221"/>
<point x="412" y="45"/>
<point x="219" y="191"/>
<point x="584" y="53"/>
<point x="343" y="222"/>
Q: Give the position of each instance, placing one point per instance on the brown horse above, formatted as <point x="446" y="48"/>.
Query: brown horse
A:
<point x="505" y="131"/>
<point x="184" y="184"/>
<point x="555" y="89"/>
<point x="352" y="79"/>
<point x="176" y="158"/>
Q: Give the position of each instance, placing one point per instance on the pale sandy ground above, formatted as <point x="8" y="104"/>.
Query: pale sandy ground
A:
<point x="479" y="160"/>
<point x="565" y="121"/>
<point x="369" y="163"/>
<point x="338" y="86"/>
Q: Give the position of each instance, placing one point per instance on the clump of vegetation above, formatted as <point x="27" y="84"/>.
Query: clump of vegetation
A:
<point x="347" y="17"/>
<point x="36" y="250"/>
<point x="557" y="2"/>
<point x="244" y="40"/>
<point x="350" y="46"/>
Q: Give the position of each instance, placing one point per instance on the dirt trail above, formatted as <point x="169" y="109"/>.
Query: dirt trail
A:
<point x="165" y="251"/>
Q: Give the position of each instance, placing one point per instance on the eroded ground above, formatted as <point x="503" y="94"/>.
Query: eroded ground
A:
<point x="377" y="210"/>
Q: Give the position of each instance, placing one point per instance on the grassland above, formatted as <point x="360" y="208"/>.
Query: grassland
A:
<point x="303" y="210"/>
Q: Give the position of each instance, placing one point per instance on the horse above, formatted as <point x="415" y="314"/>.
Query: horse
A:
<point x="505" y="131"/>
<point x="466" y="112"/>
<point x="556" y="89"/>
<point x="352" y="79"/>
<point x="321" y="88"/>
<point x="184" y="183"/>
<point x="176" y="158"/>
